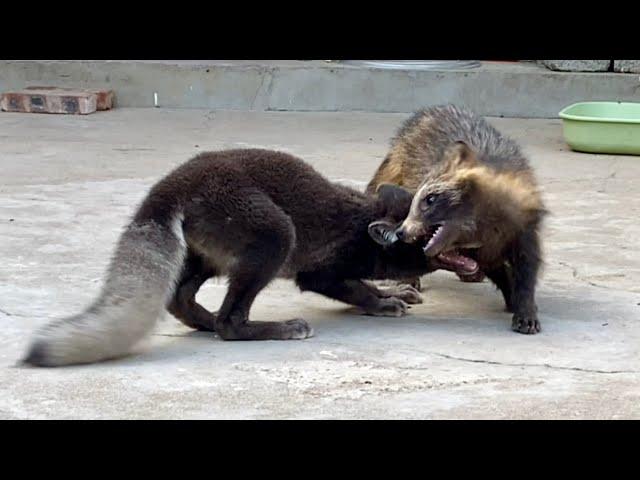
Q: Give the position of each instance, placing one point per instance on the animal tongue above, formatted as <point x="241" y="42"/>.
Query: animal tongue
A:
<point x="463" y="265"/>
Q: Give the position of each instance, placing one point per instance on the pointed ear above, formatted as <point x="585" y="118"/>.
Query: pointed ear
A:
<point x="394" y="198"/>
<point x="460" y="155"/>
<point x="383" y="232"/>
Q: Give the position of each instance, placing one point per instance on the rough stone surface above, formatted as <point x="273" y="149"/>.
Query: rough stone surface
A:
<point x="577" y="65"/>
<point x="626" y="66"/>
<point x="68" y="184"/>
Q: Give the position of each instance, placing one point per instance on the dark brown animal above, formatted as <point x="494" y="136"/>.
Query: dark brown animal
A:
<point x="252" y="215"/>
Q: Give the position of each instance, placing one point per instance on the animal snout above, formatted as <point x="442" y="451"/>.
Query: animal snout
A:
<point x="409" y="232"/>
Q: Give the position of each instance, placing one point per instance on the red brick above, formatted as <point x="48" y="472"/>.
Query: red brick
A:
<point x="49" y="101"/>
<point x="105" y="97"/>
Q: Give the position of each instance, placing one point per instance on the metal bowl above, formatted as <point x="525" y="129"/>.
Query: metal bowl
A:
<point x="416" y="64"/>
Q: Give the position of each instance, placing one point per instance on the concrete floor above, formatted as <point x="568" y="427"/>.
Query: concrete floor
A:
<point x="68" y="185"/>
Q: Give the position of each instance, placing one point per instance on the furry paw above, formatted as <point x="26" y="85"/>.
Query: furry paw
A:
<point x="526" y="323"/>
<point x="298" y="329"/>
<point x="389" y="307"/>
<point x="416" y="283"/>
<point x="406" y="293"/>
<point x="295" y="329"/>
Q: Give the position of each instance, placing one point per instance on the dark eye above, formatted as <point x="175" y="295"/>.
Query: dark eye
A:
<point x="428" y="201"/>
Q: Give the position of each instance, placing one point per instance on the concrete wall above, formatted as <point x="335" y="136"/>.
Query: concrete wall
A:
<point x="496" y="89"/>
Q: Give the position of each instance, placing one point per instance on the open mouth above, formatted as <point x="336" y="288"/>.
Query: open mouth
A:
<point x="437" y="239"/>
<point x="458" y="263"/>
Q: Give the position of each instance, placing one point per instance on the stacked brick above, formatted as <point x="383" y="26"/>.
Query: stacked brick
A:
<point x="38" y="99"/>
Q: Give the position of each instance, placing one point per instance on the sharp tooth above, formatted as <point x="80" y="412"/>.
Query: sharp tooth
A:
<point x="429" y="243"/>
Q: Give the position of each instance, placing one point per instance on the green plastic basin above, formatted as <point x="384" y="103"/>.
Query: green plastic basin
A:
<point x="602" y="127"/>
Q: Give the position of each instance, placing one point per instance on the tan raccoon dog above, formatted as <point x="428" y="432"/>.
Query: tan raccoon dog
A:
<point x="476" y="204"/>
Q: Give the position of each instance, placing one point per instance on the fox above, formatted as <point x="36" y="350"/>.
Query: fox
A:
<point x="476" y="202"/>
<point x="251" y="215"/>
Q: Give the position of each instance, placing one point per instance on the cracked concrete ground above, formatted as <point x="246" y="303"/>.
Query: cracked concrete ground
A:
<point x="68" y="185"/>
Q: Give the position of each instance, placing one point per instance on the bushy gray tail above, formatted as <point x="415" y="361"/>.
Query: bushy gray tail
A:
<point x="142" y="275"/>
